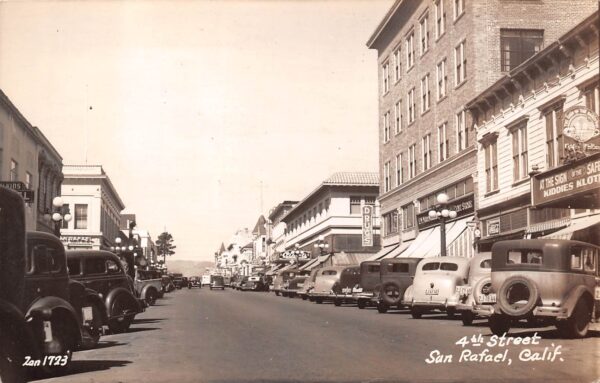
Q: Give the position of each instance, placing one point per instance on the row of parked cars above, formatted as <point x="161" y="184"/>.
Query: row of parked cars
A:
<point x="55" y="301"/>
<point x="542" y="281"/>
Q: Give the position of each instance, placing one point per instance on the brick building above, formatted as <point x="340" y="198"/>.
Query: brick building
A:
<point x="434" y="57"/>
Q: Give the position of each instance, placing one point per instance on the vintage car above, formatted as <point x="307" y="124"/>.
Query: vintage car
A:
<point x="342" y="289"/>
<point x="308" y="285"/>
<point x="478" y="290"/>
<point x="434" y="286"/>
<point x="178" y="281"/>
<point x="281" y="277"/>
<point x="292" y="286"/>
<point x="103" y="272"/>
<point x="544" y="278"/>
<point x="226" y="281"/>
<point x="395" y="276"/>
<point x="363" y="292"/>
<point x="167" y="284"/>
<point x="252" y="283"/>
<point x="324" y="284"/>
<point x="205" y="280"/>
<point x="42" y="311"/>
<point x="194" y="282"/>
<point x="216" y="282"/>
<point x="148" y="285"/>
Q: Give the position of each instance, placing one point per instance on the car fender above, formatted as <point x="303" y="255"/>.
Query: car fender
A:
<point x="145" y="290"/>
<point x="94" y="298"/>
<point x="573" y="297"/>
<point x="57" y="306"/>
<point x="408" y="296"/>
<point x="122" y="293"/>
<point x="13" y="320"/>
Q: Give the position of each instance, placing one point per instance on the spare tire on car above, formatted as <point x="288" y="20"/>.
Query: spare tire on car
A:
<point x="518" y="296"/>
<point x="482" y="287"/>
<point x="390" y="293"/>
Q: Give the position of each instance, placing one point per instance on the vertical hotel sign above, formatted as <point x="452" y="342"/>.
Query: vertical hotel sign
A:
<point x="367" y="225"/>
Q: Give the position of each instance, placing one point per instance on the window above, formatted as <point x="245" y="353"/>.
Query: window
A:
<point x="373" y="269"/>
<point x="94" y="266"/>
<point x="112" y="266"/>
<point x="576" y="262"/>
<point x="329" y="272"/>
<point x="517" y="45"/>
<point x="45" y="259"/>
<point x="398" y="267"/>
<point x="447" y="266"/>
<point x="440" y="19"/>
<point x="398" y="117"/>
<point x="74" y="266"/>
<point x="386" y="177"/>
<point x="410" y="50"/>
<point x="412" y="162"/>
<point x="431" y="266"/>
<point x="408" y="216"/>
<point x="424" y="31"/>
<point x="426" y="149"/>
<point x="490" y="150"/>
<point x="397" y="64"/>
<point x="443" y="147"/>
<point x="386" y="126"/>
<point x="554" y="136"/>
<point x="81" y="216"/>
<point x="14" y="170"/>
<point x="399" y="172"/>
<point x="354" y="205"/>
<point x="459" y="8"/>
<point x="390" y="222"/>
<point x="411" y="106"/>
<point x="592" y="98"/>
<point x="460" y="62"/>
<point x="386" y="77"/>
<point x="28" y="180"/>
<point x="64" y="223"/>
<point x="524" y="256"/>
<point x="425" y="94"/>
<point x="442" y="79"/>
<point x="462" y="140"/>
<point x="519" y="148"/>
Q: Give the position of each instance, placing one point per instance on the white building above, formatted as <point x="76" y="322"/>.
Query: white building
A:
<point x="95" y="207"/>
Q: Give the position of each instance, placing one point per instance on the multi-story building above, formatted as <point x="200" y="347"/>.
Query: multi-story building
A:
<point x="276" y="229"/>
<point x="259" y="244"/>
<point x="29" y="161"/>
<point x="434" y="56"/>
<point x="334" y="215"/>
<point x="539" y="144"/>
<point x="95" y="206"/>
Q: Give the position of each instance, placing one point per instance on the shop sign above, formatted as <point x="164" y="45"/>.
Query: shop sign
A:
<point x="76" y="239"/>
<point x="462" y="206"/>
<point x="295" y="254"/>
<point x="492" y="226"/>
<point x="367" y="225"/>
<point x="581" y="133"/>
<point x="566" y="182"/>
<point x="18" y="186"/>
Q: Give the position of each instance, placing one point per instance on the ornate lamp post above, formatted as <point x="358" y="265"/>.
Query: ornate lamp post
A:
<point x="442" y="213"/>
<point x="321" y="245"/>
<point x="60" y="214"/>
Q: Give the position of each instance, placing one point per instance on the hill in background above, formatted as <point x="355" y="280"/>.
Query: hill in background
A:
<point x="189" y="268"/>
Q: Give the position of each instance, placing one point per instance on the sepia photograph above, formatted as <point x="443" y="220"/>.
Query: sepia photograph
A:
<point x="299" y="191"/>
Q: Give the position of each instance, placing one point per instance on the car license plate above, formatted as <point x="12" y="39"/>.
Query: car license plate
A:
<point x="432" y="291"/>
<point x="463" y="290"/>
<point x="88" y="314"/>
<point x="358" y="290"/>
<point x="346" y="290"/>
<point x="490" y="298"/>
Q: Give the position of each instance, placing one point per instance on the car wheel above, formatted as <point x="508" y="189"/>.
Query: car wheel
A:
<point x="337" y="302"/>
<point x="361" y="303"/>
<point x="151" y="297"/>
<point x="416" y="313"/>
<point x="304" y="297"/>
<point x="578" y="324"/>
<point x="62" y="344"/>
<point x="467" y="317"/>
<point x="93" y="330"/>
<point x="390" y="293"/>
<point x="382" y="308"/>
<point x="499" y="324"/>
<point x="121" y="325"/>
<point x="517" y="296"/>
<point x="11" y="359"/>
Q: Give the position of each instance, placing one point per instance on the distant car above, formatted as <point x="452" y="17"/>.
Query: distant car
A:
<point x="294" y="285"/>
<point x="217" y="282"/>
<point x="545" y="278"/>
<point x="478" y="290"/>
<point x="434" y="286"/>
<point x="148" y="285"/>
<point x="308" y="285"/>
<point x="227" y="281"/>
<point x="178" y="281"/>
<point x="324" y="282"/>
<point x="252" y="283"/>
<point x="281" y="278"/>
<point x="395" y="276"/>
<point x="194" y="282"/>
<point x="369" y="280"/>
<point x="205" y="280"/>
<point x="167" y="284"/>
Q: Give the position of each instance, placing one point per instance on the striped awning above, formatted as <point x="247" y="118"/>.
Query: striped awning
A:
<point x="314" y="262"/>
<point x="577" y="226"/>
<point x="350" y="259"/>
<point x="382" y="253"/>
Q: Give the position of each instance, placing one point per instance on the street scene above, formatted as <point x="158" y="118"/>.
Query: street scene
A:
<point x="300" y="191"/>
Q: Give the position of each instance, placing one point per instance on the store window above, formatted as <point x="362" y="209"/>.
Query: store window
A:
<point x="517" y="45"/>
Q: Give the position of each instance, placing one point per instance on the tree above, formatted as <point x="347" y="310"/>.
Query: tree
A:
<point x="165" y="246"/>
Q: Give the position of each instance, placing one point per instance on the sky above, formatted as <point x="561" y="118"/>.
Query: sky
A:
<point x="204" y="114"/>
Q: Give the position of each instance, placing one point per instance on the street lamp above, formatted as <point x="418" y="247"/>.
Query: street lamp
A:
<point x="59" y="215"/>
<point x="442" y="213"/>
<point x="321" y="245"/>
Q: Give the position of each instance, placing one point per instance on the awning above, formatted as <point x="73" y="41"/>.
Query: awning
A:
<point x="417" y="242"/>
<point x="314" y="262"/>
<point x="577" y="229"/>
<point x="273" y="269"/>
<point x="462" y="244"/>
<point x="427" y="244"/>
<point x="382" y="253"/>
<point x="398" y="251"/>
<point x="350" y="259"/>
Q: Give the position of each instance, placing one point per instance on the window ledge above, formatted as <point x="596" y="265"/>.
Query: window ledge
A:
<point x="520" y="182"/>
<point x="411" y="123"/>
<point x="491" y="193"/>
<point x="459" y="17"/>
<point x="460" y="84"/>
<point x="440" y="36"/>
<point x="410" y="68"/>
<point x="398" y="133"/>
<point x="425" y="112"/>
<point x="442" y="98"/>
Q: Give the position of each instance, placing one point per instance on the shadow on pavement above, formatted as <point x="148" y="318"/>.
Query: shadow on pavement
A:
<point x="141" y="329"/>
<point x="148" y="320"/>
<point x="108" y="343"/>
<point x="83" y="366"/>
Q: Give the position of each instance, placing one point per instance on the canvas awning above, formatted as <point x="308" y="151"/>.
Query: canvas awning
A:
<point x="314" y="262"/>
<point x="382" y="253"/>
<point x="427" y="244"/>
<point x="398" y="250"/>
<point x="577" y="229"/>
<point x="350" y="259"/>
<point x="273" y="269"/>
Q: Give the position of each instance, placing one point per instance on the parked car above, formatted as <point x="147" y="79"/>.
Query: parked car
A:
<point x="434" y="286"/>
<point x="281" y="277"/>
<point x="217" y="282"/>
<point x="478" y="290"/>
<point x="42" y="311"/>
<point x="252" y="283"/>
<point x="395" y="276"/>
<point x="194" y="282"/>
<point x="292" y="286"/>
<point x="308" y="285"/>
<point x="227" y="281"/>
<point x="167" y="284"/>
<point x="348" y="280"/>
<point x="544" y="278"/>
<point x="324" y="282"/>
<point x="148" y="285"/>
<point x="178" y="281"/>
<point x="363" y="292"/>
<point x="103" y="272"/>
<point x="205" y="280"/>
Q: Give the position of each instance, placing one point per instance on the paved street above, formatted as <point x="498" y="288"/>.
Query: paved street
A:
<point x="230" y="336"/>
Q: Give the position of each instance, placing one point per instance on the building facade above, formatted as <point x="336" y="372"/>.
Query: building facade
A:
<point x="333" y="215"/>
<point x="95" y="207"/>
<point x="276" y="229"/>
<point x="29" y="161"/>
<point x="433" y="58"/>
<point x="539" y="144"/>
